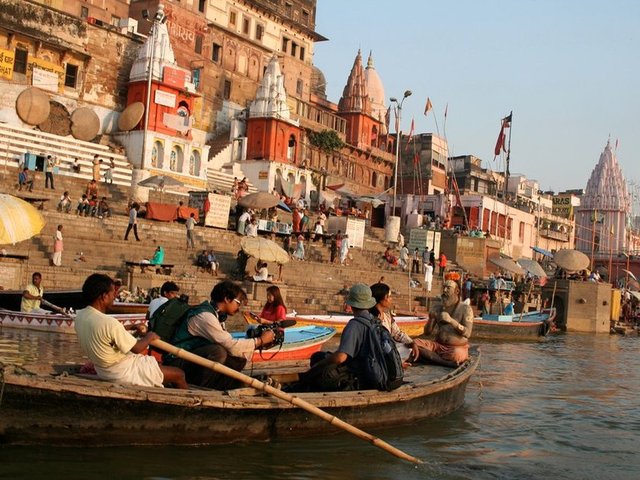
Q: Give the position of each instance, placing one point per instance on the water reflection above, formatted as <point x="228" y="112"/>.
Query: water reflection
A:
<point x="567" y="408"/>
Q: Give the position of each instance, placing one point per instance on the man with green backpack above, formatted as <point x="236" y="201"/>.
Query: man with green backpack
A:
<point x="200" y="330"/>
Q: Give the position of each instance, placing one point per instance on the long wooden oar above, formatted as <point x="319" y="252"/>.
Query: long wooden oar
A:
<point x="293" y="400"/>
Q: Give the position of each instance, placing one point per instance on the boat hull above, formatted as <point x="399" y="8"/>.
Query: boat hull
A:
<point x="533" y="326"/>
<point x="56" y="323"/>
<point x="299" y="344"/>
<point x="67" y="410"/>
<point x="412" y="326"/>
<point x="11" y="299"/>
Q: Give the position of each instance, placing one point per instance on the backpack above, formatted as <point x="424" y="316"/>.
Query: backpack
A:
<point x="166" y="319"/>
<point x="383" y="366"/>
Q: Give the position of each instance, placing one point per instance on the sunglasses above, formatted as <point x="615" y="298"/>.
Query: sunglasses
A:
<point x="237" y="301"/>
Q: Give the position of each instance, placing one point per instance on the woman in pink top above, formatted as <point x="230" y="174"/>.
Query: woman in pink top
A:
<point x="275" y="309"/>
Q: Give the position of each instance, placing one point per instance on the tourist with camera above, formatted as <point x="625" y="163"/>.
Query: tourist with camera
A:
<point x="203" y="333"/>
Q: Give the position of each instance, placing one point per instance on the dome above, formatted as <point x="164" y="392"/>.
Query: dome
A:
<point x="375" y="89"/>
<point x="318" y="83"/>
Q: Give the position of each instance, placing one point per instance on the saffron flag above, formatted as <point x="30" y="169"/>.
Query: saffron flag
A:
<point x="428" y="106"/>
<point x="500" y="141"/>
<point x="410" y="136"/>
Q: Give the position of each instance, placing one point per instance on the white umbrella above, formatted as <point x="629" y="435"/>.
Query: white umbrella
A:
<point x="533" y="267"/>
<point x="160" y="182"/>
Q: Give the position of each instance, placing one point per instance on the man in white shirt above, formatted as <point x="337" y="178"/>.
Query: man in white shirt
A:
<point x="243" y="220"/>
<point x="116" y="354"/>
<point x="204" y="334"/>
<point x="252" y="228"/>
<point x="168" y="291"/>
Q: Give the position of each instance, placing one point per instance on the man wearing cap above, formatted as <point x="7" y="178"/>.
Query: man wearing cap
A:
<point x="345" y="368"/>
<point x="451" y="324"/>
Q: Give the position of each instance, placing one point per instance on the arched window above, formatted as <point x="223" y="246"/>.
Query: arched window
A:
<point x="374" y="179"/>
<point x="291" y="148"/>
<point x="194" y="163"/>
<point x="157" y="154"/>
<point x="176" y="162"/>
<point x="374" y="135"/>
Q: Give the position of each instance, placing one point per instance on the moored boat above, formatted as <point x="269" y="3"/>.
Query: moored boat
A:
<point x="10" y="299"/>
<point x="528" y="326"/>
<point x="412" y="325"/>
<point x="70" y="410"/>
<point x="55" y="322"/>
<point x="299" y="343"/>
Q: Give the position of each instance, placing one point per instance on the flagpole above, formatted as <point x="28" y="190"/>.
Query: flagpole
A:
<point x="507" y="173"/>
<point x="407" y="93"/>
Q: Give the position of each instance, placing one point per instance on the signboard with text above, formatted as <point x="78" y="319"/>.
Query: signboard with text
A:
<point x="7" y="59"/>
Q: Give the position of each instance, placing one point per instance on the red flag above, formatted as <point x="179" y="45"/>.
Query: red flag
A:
<point x="500" y="141"/>
<point x="543" y="281"/>
<point x="428" y="106"/>
<point x="410" y="137"/>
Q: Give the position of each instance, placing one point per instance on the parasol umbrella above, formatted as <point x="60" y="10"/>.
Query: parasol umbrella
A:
<point x="630" y="274"/>
<point x="507" y="264"/>
<point x="259" y="200"/>
<point x="374" y="201"/>
<point x="283" y="206"/>
<point x="264" y="249"/>
<point x="571" y="260"/>
<point x="160" y="181"/>
<point x="533" y="267"/>
<point x="542" y="251"/>
<point x="19" y="220"/>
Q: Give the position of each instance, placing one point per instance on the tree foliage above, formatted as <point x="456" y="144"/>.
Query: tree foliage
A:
<point x="327" y="140"/>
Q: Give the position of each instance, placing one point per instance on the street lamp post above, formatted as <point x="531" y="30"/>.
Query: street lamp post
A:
<point x="407" y="93"/>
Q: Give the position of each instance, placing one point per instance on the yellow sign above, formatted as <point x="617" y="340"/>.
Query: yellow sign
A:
<point x="7" y="59"/>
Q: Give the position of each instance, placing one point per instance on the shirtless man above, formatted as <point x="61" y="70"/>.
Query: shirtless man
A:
<point x="451" y="325"/>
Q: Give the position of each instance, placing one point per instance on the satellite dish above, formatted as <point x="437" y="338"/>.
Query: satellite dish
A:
<point x="85" y="124"/>
<point x="32" y="106"/>
<point x="131" y="116"/>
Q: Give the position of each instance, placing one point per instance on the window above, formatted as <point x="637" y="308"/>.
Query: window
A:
<point x="71" y="76"/>
<point x="285" y="44"/>
<point x="115" y="21"/>
<point x="288" y="10"/>
<point x="195" y="76"/>
<point x="232" y="18"/>
<point x="246" y="25"/>
<point x="84" y="12"/>
<point x="299" y="87"/>
<point x="20" y="63"/>
<point x="216" y="50"/>
<point x="302" y="53"/>
<point x="305" y="17"/>
<point x="198" y="48"/>
<point x="201" y="4"/>
<point x="259" y="32"/>
<point x="227" y="90"/>
<point x="294" y="49"/>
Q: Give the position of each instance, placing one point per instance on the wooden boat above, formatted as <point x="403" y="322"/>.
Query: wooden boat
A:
<point x="47" y="409"/>
<point x="11" y="299"/>
<point x="125" y="307"/>
<point x="412" y="325"/>
<point x="299" y="343"/>
<point x="531" y="326"/>
<point x="54" y="322"/>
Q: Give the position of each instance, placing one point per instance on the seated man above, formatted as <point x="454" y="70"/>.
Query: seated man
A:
<point x="116" y="354"/>
<point x="212" y="262"/>
<point x="25" y="179"/>
<point x="93" y="206"/>
<point x="344" y="369"/>
<point x="32" y="295"/>
<point x="83" y="207"/>
<point x="103" y="208"/>
<point x="262" y="272"/>
<point x="202" y="260"/>
<point x="203" y="333"/>
<point x="451" y="324"/>
<point x="64" y="205"/>
<point x="92" y="189"/>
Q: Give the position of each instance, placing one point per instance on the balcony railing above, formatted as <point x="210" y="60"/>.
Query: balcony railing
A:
<point x="554" y="235"/>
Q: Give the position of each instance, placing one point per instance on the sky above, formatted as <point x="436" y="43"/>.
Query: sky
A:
<point x="568" y="69"/>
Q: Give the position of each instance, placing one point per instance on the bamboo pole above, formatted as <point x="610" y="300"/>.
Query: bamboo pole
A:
<point x="293" y="400"/>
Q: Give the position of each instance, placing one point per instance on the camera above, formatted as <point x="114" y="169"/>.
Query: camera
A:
<point x="258" y="330"/>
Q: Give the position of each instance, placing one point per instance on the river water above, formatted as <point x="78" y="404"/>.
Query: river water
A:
<point x="564" y="408"/>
